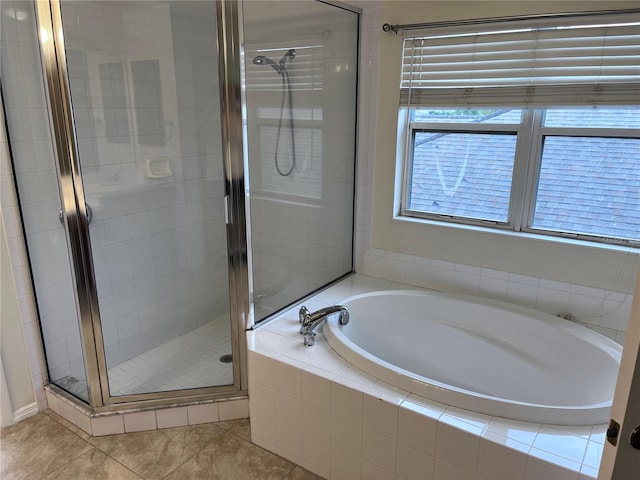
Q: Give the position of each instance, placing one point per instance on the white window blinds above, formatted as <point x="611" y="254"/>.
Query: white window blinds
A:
<point x="596" y="64"/>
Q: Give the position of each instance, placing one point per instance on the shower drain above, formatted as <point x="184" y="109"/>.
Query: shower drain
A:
<point x="228" y="358"/>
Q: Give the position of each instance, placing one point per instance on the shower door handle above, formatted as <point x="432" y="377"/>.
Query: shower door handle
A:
<point x="89" y="214"/>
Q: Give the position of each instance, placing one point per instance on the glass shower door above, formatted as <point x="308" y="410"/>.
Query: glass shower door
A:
<point x="144" y="89"/>
<point x="301" y="63"/>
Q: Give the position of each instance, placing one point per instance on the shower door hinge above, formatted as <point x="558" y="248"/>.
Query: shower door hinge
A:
<point x="227" y="212"/>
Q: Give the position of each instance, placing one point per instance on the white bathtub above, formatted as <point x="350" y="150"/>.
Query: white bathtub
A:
<point x="483" y="355"/>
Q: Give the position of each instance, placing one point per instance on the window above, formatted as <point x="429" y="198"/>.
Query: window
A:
<point x="527" y="129"/>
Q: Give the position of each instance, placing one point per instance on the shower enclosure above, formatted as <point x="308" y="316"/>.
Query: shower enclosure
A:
<point x="189" y="171"/>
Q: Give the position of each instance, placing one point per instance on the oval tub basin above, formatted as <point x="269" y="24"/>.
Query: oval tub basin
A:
<point x="479" y="354"/>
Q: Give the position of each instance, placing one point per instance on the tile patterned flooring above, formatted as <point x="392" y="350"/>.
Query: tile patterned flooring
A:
<point x="46" y="446"/>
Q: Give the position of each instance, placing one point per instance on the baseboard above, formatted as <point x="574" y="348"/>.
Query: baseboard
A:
<point x="25" y="412"/>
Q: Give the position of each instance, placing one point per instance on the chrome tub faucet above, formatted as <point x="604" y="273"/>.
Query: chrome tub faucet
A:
<point x="309" y="321"/>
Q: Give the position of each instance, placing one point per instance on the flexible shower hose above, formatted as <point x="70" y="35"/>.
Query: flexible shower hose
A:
<point x="286" y="88"/>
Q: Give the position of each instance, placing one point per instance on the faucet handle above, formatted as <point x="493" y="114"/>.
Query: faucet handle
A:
<point x="303" y="314"/>
<point x="309" y="339"/>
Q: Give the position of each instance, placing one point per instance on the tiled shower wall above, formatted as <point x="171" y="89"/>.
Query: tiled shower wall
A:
<point x="158" y="234"/>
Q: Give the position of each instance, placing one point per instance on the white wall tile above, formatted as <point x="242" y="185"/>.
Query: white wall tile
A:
<point x="316" y="391"/>
<point x="522" y="432"/>
<point x="172" y="417"/>
<point x="417" y="430"/>
<point x="316" y="455"/>
<point x="466" y="282"/>
<point x="316" y="422"/>
<point x="108" y="425"/>
<point x="537" y="469"/>
<point x="412" y="464"/>
<point x="346" y="403"/>
<point x="346" y="436"/>
<point x="497" y="461"/>
<point x="289" y="442"/>
<point x="441" y="279"/>
<point x="570" y="447"/>
<point x="379" y="450"/>
<point x="140" y="421"/>
<point x="522" y="293"/>
<point x="205" y="413"/>
<point x="288" y="380"/>
<point x="593" y="455"/>
<point x="289" y="410"/>
<point x="374" y="472"/>
<point x="233" y="409"/>
<point x="446" y="471"/>
<point x="457" y="447"/>
<point x="262" y="369"/>
<point x="83" y="421"/>
<point x="263" y="430"/>
<point x="345" y="465"/>
<point x="380" y="416"/>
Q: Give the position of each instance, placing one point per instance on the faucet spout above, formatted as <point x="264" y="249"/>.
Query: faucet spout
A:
<point x="309" y="321"/>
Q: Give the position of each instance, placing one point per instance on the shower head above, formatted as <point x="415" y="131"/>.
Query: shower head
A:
<point x="278" y="67"/>
<point x="290" y="54"/>
<point x="262" y="60"/>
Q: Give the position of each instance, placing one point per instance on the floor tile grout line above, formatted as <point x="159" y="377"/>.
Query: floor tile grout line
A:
<point x="17" y="426"/>
<point x="66" y="426"/>
<point x="95" y="448"/>
<point x="120" y="463"/>
<point x="74" y="456"/>
<point x="222" y="432"/>
<point x="290" y="471"/>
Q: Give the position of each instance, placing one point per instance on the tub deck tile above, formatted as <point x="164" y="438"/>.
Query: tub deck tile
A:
<point x="551" y="451"/>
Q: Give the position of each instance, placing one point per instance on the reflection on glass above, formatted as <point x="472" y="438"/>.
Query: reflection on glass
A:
<point x="462" y="174"/>
<point x="114" y="100"/>
<point x="589" y="185"/>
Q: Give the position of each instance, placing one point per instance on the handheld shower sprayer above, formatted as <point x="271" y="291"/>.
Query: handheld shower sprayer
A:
<point x="290" y="54"/>
<point x="262" y="60"/>
<point x="281" y="69"/>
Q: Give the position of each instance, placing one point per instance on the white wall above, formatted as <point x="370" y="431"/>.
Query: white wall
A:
<point x="561" y="261"/>
<point x="15" y="364"/>
<point x="606" y="270"/>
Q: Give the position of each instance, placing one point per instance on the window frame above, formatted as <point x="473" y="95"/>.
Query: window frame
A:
<point x="530" y="136"/>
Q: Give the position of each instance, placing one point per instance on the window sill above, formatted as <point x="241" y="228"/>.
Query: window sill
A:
<point x="524" y="235"/>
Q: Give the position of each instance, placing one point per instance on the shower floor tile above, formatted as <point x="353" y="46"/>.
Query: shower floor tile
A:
<point x="191" y="360"/>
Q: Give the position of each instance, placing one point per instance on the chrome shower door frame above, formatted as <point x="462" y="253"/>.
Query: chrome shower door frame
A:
<point x="51" y="37"/>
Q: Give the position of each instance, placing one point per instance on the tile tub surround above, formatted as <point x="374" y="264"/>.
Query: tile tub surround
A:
<point x="152" y="419"/>
<point x="604" y="311"/>
<point x="313" y="408"/>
